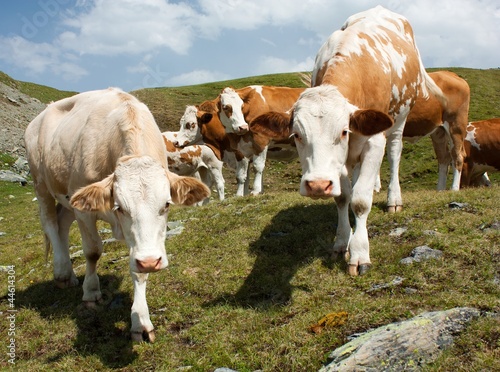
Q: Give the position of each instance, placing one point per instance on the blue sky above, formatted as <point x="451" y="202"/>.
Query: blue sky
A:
<point x="83" y="45"/>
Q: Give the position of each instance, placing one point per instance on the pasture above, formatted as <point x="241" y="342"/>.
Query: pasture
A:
<point x="249" y="276"/>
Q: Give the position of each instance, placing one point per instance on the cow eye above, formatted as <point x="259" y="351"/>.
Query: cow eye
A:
<point x="165" y="209"/>
<point x="117" y="208"/>
<point x="345" y="133"/>
<point x="296" y="136"/>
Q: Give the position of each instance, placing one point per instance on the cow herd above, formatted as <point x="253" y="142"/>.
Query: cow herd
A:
<point x="100" y="154"/>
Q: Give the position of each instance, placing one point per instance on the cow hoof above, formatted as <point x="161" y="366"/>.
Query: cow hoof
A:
<point x="90" y="304"/>
<point x="143" y="336"/>
<point x="363" y="269"/>
<point x="353" y="270"/>
<point x="66" y="283"/>
<point x="394" y="208"/>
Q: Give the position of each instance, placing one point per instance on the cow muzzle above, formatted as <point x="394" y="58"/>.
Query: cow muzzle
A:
<point x="150" y="264"/>
<point x="319" y="188"/>
<point x="242" y="130"/>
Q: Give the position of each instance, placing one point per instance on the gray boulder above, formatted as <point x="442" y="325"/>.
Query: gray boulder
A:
<point x="402" y="346"/>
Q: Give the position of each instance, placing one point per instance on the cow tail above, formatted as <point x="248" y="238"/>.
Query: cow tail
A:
<point x="434" y="89"/>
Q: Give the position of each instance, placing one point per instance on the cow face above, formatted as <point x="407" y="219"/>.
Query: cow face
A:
<point x="231" y="112"/>
<point x="139" y="193"/>
<point x="189" y="131"/>
<point x="322" y="123"/>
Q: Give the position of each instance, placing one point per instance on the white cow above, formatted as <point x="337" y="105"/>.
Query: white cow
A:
<point x="100" y="155"/>
<point x="366" y="79"/>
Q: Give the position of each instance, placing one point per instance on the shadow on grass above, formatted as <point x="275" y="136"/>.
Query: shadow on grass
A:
<point x="97" y="331"/>
<point x="294" y="238"/>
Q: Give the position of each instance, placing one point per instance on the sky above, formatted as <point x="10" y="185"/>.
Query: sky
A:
<point x="81" y="45"/>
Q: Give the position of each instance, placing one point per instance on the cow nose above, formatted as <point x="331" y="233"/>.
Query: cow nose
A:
<point x="319" y="188"/>
<point x="149" y="264"/>
<point x="243" y="129"/>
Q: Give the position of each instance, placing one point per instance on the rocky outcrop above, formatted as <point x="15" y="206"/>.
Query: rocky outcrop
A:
<point x="402" y="346"/>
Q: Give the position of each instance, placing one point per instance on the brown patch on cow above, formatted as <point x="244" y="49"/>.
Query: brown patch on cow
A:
<point x="275" y="125"/>
<point x="169" y="145"/>
<point x="187" y="157"/>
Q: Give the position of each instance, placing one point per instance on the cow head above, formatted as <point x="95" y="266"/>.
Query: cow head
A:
<point x="139" y="193"/>
<point x="231" y="112"/>
<point x="189" y="131"/>
<point x="322" y="122"/>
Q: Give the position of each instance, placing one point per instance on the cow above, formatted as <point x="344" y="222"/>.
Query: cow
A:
<point x="201" y="124"/>
<point x="239" y="107"/>
<point x="482" y="152"/>
<point x="196" y="161"/>
<point x="100" y="155"/>
<point x="367" y="77"/>
<point x="428" y="115"/>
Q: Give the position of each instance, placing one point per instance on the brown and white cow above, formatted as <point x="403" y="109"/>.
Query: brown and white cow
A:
<point x="100" y="155"/>
<point x="482" y="152"/>
<point x="196" y="161"/>
<point x="429" y="115"/>
<point x="201" y="124"/>
<point x="366" y="79"/>
<point x="239" y="107"/>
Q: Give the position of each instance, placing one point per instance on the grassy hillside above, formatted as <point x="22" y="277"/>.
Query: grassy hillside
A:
<point x="249" y="276"/>
<point x="41" y="92"/>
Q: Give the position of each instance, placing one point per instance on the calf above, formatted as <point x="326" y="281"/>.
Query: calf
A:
<point x="100" y="155"/>
<point x="196" y="161"/>
<point x="482" y="151"/>
<point x="366" y="79"/>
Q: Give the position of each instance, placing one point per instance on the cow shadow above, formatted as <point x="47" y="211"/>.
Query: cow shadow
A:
<point x="295" y="237"/>
<point x="97" y="330"/>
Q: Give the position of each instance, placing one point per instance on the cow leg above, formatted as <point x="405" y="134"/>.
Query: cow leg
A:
<point x="457" y="154"/>
<point x="394" y="148"/>
<point x="204" y="177"/>
<point x="440" y="144"/>
<point x="57" y="236"/>
<point x="344" y="231"/>
<point x="242" y="177"/>
<point x="92" y="249"/>
<point x="142" y="328"/>
<point x="259" y="163"/>
<point x="216" y="174"/>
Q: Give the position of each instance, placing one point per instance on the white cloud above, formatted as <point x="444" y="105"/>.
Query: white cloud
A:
<point x="130" y="27"/>
<point x="37" y="58"/>
<point x="271" y="65"/>
<point x="197" y="77"/>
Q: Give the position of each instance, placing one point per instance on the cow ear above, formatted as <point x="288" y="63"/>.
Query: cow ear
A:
<point x="369" y="122"/>
<point x="275" y="125"/>
<point x="206" y="117"/>
<point x="96" y="197"/>
<point x="187" y="190"/>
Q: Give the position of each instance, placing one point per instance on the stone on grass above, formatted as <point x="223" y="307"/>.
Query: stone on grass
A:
<point x="402" y="346"/>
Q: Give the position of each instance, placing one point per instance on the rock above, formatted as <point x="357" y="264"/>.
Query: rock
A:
<point x="422" y="253"/>
<point x="457" y="205"/>
<point x="398" y="231"/>
<point x="402" y="346"/>
<point x="9" y="176"/>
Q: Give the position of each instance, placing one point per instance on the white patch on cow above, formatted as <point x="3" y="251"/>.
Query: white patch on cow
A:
<point x="258" y="89"/>
<point x="189" y="133"/>
<point x="471" y="136"/>
<point x="236" y="122"/>
<point x="320" y="117"/>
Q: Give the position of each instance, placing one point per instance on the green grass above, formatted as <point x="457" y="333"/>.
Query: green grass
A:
<point x="249" y="276"/>
<point x="43" y="93"/>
